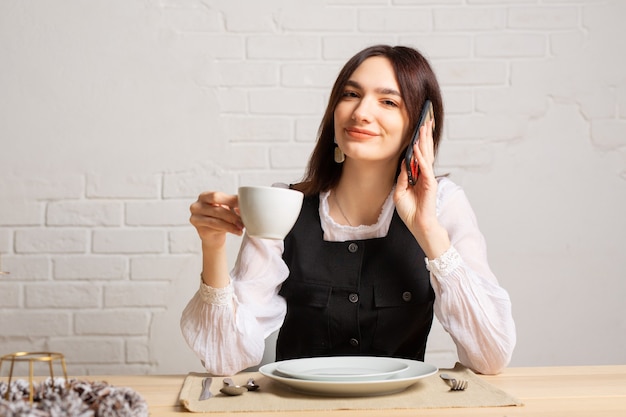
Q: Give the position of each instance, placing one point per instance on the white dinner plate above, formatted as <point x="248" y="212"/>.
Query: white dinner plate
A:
<point x="398" y="382"/>
<point x="342" y="368"/>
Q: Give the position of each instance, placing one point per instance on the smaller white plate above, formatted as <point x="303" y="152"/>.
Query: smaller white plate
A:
<point x="342" y="368"/>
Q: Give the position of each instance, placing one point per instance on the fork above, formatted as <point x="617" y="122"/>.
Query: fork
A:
<point x="206" y="393"/>
<point x="455" y="384"/>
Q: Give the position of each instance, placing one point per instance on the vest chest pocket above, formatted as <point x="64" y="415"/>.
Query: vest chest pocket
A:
<point x="386" y="296"/>
<point x="305" y="294"/>
<point x="404" y="317"/>
<point x="305" y="331"/>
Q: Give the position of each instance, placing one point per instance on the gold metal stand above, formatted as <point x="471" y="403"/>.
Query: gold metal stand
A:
<point x="31" y="358"/>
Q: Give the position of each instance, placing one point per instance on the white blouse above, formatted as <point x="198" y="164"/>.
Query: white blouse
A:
<point x="227" y="327"/>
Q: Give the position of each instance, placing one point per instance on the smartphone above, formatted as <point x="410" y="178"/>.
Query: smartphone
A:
<point x="412" y="168"/>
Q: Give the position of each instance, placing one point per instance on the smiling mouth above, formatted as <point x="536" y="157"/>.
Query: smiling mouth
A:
<point x="360" y="133"/>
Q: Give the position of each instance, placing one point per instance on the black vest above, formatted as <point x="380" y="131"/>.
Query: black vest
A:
<point x="365" y="297"/>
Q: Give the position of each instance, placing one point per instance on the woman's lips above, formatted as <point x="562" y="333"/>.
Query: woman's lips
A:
<point x="357" y="133"/>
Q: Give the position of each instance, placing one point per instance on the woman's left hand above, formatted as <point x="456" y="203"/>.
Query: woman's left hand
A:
<point x="417" y="204"/>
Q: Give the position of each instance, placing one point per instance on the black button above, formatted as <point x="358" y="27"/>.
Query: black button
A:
<point x="353" y="297"/>
<point x="354" y="342"/>
<point x="353" y="247"/>
<point x="406" y="296"/>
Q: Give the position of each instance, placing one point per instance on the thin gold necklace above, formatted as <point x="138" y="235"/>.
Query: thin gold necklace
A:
<point x="341" y="210"/>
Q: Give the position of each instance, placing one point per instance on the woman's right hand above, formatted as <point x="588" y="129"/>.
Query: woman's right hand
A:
<point x="213" y="215"/>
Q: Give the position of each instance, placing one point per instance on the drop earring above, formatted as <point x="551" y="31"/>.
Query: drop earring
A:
<point x="339" y="155"/>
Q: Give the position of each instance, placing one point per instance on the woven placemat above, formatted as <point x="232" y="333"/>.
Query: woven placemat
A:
<point x="429" y="392"/>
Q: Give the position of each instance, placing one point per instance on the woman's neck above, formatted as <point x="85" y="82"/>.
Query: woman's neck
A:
<point x="360" y="194"/>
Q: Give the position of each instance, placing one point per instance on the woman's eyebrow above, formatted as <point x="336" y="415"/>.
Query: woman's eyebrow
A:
<point x="352" y="83"/>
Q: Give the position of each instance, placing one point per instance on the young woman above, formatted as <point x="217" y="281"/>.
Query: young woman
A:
<point x="370" y="258"/>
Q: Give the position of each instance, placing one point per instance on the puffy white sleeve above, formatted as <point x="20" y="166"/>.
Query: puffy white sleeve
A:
<point x="227" y="327"/>
<point x="469" y="303"/>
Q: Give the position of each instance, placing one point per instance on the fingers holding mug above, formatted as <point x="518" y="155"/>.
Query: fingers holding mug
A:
<point x="216" y="212"/>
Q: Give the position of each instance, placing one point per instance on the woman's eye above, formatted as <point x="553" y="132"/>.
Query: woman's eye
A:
<point x="349" y="94"/>
<point x="390" y="103"/>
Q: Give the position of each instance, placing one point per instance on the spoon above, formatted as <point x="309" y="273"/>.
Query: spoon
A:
<point x="231" y="389"/>
<point x="251" y="385"/>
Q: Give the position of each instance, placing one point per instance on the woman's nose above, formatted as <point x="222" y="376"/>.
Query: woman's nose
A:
<point x="362" y="112"/>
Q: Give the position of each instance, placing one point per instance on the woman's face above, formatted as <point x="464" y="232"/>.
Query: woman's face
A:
<point x="371" y="119"/>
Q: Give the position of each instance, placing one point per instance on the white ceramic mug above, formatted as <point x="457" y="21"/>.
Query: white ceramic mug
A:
<point x="269" y="212"/>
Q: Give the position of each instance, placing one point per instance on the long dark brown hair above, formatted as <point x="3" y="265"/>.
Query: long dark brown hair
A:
<point x="417" y="83"/>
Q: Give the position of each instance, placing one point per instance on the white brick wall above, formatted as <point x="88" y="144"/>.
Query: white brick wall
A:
<point x="115" y="115"/>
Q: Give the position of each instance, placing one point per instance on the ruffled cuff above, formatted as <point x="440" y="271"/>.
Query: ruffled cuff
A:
<point x="216" y="296"/>
<point x="444" y="264"/>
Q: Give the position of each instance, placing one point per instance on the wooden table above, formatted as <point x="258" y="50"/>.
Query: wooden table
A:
<point x="589" y="391"/>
